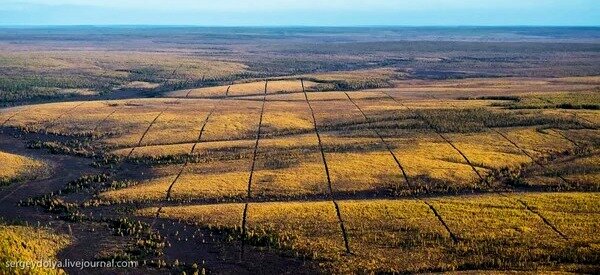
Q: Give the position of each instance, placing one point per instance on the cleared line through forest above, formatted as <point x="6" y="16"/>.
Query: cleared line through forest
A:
<point x="249" y="190"/>
<point x="437" y="215"/>
<point x="139" y="143"/>
<point x="12" y="116"/>
<point x="331" y="194"/>
<point x="527" y="208"/>
<point x="185" y="164"/>
<point x="515" y="145"/>
<point x="438" y="132"/>
<point x="68" y="111"/>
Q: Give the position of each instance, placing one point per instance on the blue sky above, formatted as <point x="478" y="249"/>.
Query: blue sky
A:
<point x="307" y="12"/>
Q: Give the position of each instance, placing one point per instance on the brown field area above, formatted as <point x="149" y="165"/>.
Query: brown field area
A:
<point x="210" y="153"/>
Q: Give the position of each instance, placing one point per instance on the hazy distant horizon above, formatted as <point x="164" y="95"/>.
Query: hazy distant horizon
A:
<point x="298" y="34"/>
<point x="271" y="13"/>
<point x="287" y="26"/>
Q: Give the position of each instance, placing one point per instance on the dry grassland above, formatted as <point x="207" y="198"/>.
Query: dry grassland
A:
<point x="15" y="167"/>
<point x="21" y="243"/>
<point x="492" y="231"/>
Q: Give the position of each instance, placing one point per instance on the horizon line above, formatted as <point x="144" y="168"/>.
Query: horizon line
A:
<point x="298" y="26"/>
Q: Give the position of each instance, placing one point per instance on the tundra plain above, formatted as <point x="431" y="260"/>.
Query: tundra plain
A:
<point x="302" y="150"/>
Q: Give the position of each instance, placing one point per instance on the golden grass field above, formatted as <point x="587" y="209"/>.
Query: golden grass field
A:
<point x="490" y="230"/>
<point x="415" y="177"/>
<point x="22" y="243"/>
<point x="15" y="167"/>
<point x="245" y="89"/>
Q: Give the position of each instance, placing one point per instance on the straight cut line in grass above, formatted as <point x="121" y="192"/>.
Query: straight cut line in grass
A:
<point x="249" y="194"/>
<point x="55" y="121"/>
<point x="387" y="146"/>
<point x="546" y="221"/>
<point x="107" y="117"/>
<point x="11" y="117"/>
<point x="532" y="158"/>
<point x="335" y="204"/>
<point x="185" y="164"/>
<point x="523" y="150"/>
<point x="527" y="208"/>
<point x="437" y="131"/>
<point x="148" y="129"/>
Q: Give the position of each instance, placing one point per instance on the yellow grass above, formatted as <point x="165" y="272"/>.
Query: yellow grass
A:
<point x="588" y="176"/>
<point x="189" y="186"/>
<point x="488" y="86"/>
<point x="281" y="86"/>
<point x="282" y="169"/>
<point x="217" y="216"/>
<point x="437" y="104"/>
<point x="333" y="108"/>
<point x="577" y="215"/>
<point x="15" y="167"/>
<point x="26" y="244"/>
<point x="225" y="179"/>
<point x="538" y="143"/>
<point x="488" y="227"/>
<point x="309" y="228"/>
<point x="580" y="136"/>
<point x="489" y="150"/>
<point x="286" y="116"/>
<point x="155" y="150"/>
<point x="352" y="172"/>
<point x="589" y="116"/>
<point x="176" y="127"/>
<point x="380" y="230"/>
<point x="250" y="88"/>
<point x="247" y="88"/>
<point x="295" y="141"/>
<point x="491" y="217"/>
<point x="306" y="178"/>
<point x="40" y="117"/>
<point x="579" y="79"/>
<point x="357" y="76"/>
<point x="233" y="120"/>
<point x="200" y="92"/>
<point x="430" y="156"/>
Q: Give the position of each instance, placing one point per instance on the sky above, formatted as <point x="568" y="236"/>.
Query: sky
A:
<point x="301" y="13"/>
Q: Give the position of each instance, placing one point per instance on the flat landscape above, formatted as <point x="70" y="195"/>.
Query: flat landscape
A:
<point x="301" y="150"/>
